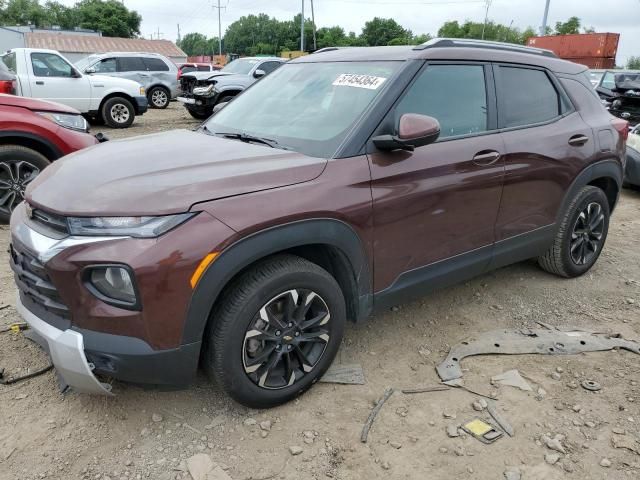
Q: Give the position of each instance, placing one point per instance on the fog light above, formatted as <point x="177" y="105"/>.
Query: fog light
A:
<point x="114" y="284"/>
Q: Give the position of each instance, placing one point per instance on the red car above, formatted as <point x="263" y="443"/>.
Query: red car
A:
<point x="33" y="133"/>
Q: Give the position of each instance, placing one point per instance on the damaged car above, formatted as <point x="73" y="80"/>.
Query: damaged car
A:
<point x="632" y="169"/>
<point x="201" y="91"/>
<point x="620" y="92"/>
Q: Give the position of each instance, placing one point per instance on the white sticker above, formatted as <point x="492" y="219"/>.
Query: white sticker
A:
<point x="360" y="81"/>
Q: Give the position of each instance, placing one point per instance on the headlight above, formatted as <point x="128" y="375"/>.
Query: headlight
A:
<point x="204" y="91"/>
<point x="142" y="91"/>
<point x="113" y="284"/>
<point x="67" y="120"/>
<point x="139" y="227"/>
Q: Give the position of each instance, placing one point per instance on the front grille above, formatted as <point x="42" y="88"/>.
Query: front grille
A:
<point x="53" y="221"/>
<point x="34" y="283"/>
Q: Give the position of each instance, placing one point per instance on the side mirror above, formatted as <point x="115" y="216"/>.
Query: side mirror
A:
<point x="90" y="70"/>
<point x="259" y="73"/>
<point x="415" y="130"/>
<point x="219" y="106"/>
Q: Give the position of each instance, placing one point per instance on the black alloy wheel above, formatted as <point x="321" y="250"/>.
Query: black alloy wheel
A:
<point x="287" y="339"/>
<point x="588" y="231"/>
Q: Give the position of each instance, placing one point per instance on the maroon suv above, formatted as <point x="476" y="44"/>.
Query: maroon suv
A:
<point x="347" y="181"/>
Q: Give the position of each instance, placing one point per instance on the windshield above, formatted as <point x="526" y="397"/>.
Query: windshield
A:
<point x="85" y="62"/>
<point x="241" y="66"/>
<point x="306" y="107"/>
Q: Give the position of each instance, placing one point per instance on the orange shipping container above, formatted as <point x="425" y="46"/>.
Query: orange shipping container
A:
<point x="595" y="62"/>
<point x="604" y="45"/>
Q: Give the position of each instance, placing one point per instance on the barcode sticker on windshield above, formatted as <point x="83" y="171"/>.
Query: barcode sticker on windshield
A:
<point x="360" y="81"/>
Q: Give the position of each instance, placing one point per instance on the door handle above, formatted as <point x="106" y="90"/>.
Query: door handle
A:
<point x="486" y="158"/>
<point x="578" y="140"/>
<point x="39" y="82"/>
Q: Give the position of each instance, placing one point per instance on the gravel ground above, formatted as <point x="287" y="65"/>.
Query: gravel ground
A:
<point x="149" y="434"/>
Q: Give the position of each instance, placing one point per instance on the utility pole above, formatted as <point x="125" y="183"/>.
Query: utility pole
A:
<point x="219" y="27"/>
<point x="543" y="28"/>
<point x="179" y="38"/>
<point x="486" y="16"/>
<point x="313" y="20"/>
<point x="302" y="29"/>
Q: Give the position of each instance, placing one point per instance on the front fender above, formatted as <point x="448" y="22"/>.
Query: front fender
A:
<point x="262" y="244"/>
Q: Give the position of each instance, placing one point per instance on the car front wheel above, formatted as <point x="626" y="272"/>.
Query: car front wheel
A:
<point x="275" y="331"/>
<point x="200" y="114"/>
<point x="19" y="166"/>
<point x="118" y="112"/>
<point x="581" y="236"/>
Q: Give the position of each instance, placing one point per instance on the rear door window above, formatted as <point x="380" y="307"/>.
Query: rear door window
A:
<point x="131" y="64"/>
<point x="455" y="95"/>
<point x="527" y="97"/>
<point x="155" y="65"/>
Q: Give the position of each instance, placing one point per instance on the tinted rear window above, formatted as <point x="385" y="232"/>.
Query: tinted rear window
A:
<point x="204" y="68"/>
<point x="131" y="64"/>
<point x="528" y="97"/>
<point x="155" y="65"/>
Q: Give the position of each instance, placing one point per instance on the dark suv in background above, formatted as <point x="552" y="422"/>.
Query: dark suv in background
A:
<point x="345" y="182"/>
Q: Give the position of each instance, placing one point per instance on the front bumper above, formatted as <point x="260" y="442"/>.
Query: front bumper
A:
<point x="66" y="349"/>
<point x="141" y="104"/>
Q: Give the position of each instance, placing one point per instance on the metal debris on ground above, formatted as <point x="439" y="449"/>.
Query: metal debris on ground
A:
<point x="482" y="430"/>
<point x="344" y="375"/>
<point x="499" y="419"/>
<point x="530" y="341"/>
<point x="591" y="385"/>
<point x="512" y="378"/>
<point x="434" y="388"/>
<point x="372" y="416"/>
<point x="12" y="380"/>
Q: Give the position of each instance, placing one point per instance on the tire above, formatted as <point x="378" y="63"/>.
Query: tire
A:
<point x="118" y="112"/>
<point x="234" y="345"/>
<point x="159" y="97"/>
<point x="226" y="99"/>
<point x="19" y="166"/>
<point x="571" y="256"/>
<point x="200" y="114"/>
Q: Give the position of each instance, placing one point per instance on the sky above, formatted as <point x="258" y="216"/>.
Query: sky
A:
<point x="421" y="16"/>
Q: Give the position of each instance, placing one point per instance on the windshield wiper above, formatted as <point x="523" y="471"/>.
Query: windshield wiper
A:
<point x="251" y="138"/>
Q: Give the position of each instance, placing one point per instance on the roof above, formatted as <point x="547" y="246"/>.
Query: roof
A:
<point x="68" y="43"/>
<point x="468" y="50"/>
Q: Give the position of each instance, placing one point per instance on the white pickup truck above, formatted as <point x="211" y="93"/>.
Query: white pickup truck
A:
<point x="46" y="74"/>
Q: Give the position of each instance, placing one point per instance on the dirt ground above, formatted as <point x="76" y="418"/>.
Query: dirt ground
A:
<point x="141" y="434"/>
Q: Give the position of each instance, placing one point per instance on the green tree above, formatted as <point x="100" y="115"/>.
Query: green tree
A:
<point x="569" y="27"/>
<point x="633" y="63"/>
<point x="22" y="12"/>
<point x="492" y="31"/>
<point x="110" y="17"/>
<point x="61" y="15"/>
<point x="382" y="31"/>
<point x="420" y="39"/>
<point x="194" y="44"/>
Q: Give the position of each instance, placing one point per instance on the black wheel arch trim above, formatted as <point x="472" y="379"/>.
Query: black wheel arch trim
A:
<point x="49" y="149"/>
<point x="610" y="168"/>
<point x="248" y="250"/>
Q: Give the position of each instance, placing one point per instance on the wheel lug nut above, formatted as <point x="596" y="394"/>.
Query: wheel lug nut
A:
<point x="278" y="332"/>
<point x="290" y="325"/>
<point x="297" y="334"/>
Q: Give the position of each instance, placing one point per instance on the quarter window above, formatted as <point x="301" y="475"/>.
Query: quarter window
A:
<point x="455" y="95"/>
<point x="155" y="65"/>
<point x="50" y="65"/>
<point x="528" y="97"/>
<point x="131" y="64"/>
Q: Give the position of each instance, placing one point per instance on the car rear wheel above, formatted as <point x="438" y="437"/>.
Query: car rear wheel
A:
<point x="19" y="166"/>
<point x="118" y="112"/>
<point x="275" y="331"/>
<point x="581" y="235"/>
<point x="159" y="97"/>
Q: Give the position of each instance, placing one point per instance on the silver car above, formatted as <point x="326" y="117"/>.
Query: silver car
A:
<point x="156" y="73"/>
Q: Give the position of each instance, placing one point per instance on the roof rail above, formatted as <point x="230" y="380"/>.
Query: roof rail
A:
<point x="328" y="49"/>
<point x="471" y="43"/>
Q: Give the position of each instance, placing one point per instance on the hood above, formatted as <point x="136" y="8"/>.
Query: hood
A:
<point x="206" y="75"/>
<point x="163" y="174"/>
<point x="35" y="104"/>
<point x="108" y="79"/>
